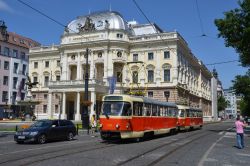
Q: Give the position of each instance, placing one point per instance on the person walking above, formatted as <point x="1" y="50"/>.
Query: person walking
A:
<point x="93" y="123"/>
<point x="239" y="133"/>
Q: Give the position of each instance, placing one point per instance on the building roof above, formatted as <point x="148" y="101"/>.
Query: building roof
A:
<point x="19" y="40"/>
<point x="100" y="21"/>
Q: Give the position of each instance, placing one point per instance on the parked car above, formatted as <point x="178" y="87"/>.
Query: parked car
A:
<point x="44" y="130"/>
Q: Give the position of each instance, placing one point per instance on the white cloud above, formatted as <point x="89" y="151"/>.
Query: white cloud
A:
<point x="5" y="7"/>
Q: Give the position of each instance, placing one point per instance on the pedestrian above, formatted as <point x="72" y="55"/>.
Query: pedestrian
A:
<point x="239" y="133"/>
<point x="93" y="123"/>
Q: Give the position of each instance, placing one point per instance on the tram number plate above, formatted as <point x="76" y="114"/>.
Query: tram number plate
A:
<point x="21" y="137"/>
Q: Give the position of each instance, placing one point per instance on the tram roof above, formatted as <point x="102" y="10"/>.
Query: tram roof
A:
<point x="146" y="100"/>
<point x="153" y="101"/>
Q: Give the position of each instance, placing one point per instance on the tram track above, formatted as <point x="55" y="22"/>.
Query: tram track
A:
<point x="162" y="146"/>
<point x="174" y="150"/>
<point x="39" y="157"/>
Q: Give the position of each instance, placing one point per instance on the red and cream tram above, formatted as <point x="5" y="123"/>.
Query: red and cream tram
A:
<point x="189" y="118"/>
<point x="125" y="116"/>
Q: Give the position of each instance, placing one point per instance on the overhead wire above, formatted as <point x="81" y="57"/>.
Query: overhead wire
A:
<point x="54" y="20"/>
<point x="61" y="24"/>
<point x="139" y="8"/>
<point x="200" y="21"/>
<point x="202" y="29"/>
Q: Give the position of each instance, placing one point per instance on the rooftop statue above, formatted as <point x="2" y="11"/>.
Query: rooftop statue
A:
<point x="87" y="27"/>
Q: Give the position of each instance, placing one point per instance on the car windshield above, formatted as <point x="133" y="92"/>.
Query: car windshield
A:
<point x="116" y="108"/>
<point x="41" y="124"/>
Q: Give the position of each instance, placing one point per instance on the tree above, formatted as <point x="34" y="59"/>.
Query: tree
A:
<point x="241" y="85"/>
<point x="244" y="108"/>
<point x="222" y="103"/>
<point x="235" y="29"/>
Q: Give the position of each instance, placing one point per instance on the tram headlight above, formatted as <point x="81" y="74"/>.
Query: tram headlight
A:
<point x="117" y="126"/>
<point x="127" y="126"/>
<point x="100" y="125"/>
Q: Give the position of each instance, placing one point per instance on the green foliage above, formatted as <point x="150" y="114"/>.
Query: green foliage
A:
<point x="241" y="84"/>
<point x="235" y="29"/>
<point x="244" y="108"/>
<point x="136" y="93"/>
<point x="222" y="103"/>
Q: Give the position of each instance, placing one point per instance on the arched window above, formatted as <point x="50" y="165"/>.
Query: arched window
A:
<point x="135" y="77"/>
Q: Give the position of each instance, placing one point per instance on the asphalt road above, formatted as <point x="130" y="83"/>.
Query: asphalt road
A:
<point x="213" y="145"/>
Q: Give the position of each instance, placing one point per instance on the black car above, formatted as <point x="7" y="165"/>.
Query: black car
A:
<point x="44" y="130"/>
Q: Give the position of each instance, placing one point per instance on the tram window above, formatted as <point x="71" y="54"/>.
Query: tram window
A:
<point x="191" y="113"/>
<point x="154" y="110"/>
<point x="161" y="111"/>
<point x="175" y="112"/>
<point x="200" y="113"/>
<point x="195" y="114"/>
<point x="127" y="110"/>
<point x="147" y="109"/>
<point x="172" y="112"/>
<point x="165" y="111"/>
<point x="137" y="109"/>
<point x="188" y="112"/>
<point x="116" y="108"/>
<point x="181" y="113"/>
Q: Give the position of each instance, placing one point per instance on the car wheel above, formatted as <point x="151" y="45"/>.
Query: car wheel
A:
<point x="19" y="142"/>
<point x="70" y="136"/>
<point x="41" y="139"/>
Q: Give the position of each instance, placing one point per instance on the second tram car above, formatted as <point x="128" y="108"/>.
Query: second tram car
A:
<point x="125" y="116"/>
<point x="189" y="118"/>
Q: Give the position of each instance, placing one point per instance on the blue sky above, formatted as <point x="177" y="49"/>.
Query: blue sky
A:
<point x="180" y="15"/>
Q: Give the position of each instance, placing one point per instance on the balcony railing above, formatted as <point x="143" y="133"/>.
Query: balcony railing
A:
<point x="74" y="82"/>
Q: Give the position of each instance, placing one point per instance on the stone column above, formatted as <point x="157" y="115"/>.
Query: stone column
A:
<point x="50" y="106"/>
<point x="64" y="65"/>
<point x="78" y="115"/>
<point x="174" y="71"/>
<point x="158" y="68"/>
<point x="93" y="100"/>
<point x="105" y="69"/>
<point x="110" y="67"/>
<point x="64" y="106"/>
<point x="78" y="76"/>
<point x="92" y="66"/>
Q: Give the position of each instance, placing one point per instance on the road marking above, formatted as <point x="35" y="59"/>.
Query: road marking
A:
<point x="204" y="157"/>
<point x="242" y="154"/>
<point x="220" y="133"/>
<point x="6" y="142"/>
<point x="43" y="148"/>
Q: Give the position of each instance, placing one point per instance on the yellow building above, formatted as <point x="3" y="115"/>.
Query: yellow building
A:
<point x="136" y="55"/>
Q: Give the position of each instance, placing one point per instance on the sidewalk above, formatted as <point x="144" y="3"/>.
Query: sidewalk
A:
<point x="225" y="152"/>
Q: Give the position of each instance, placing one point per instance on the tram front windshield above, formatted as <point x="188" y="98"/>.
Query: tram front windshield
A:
<point x="116" y="108"/>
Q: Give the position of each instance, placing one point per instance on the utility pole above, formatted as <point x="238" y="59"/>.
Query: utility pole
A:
<point x="85" y="114"/>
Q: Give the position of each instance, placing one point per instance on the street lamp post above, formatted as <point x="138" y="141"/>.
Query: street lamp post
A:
<point x="85" y="114"/>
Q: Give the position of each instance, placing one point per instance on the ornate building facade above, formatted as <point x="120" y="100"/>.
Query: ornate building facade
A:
<point x="139" y="57"/>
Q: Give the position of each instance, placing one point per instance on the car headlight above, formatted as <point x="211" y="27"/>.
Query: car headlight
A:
<point x="33" y="133"/>
<point x="18" y="133"/>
